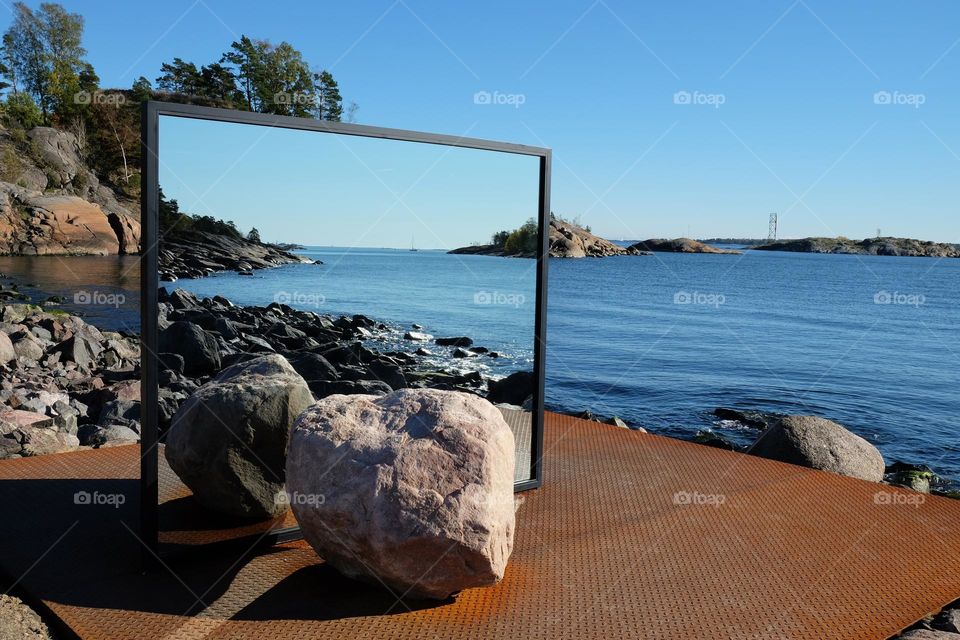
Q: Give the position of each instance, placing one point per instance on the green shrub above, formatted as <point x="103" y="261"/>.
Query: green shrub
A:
<point x="18" y="134"/>
<point x="21" y="109"/>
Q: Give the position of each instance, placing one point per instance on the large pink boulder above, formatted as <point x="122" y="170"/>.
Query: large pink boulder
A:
<point x="413" y="489"/>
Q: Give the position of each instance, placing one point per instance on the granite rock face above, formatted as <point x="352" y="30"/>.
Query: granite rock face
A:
<point x="32" y="223"/>
<point x="413" y="490"/>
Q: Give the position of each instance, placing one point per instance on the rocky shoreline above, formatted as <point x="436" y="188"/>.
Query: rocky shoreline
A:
<point x="67" y="384"/>
<point x="870" y="246"/>
<point x="203" y="253"/>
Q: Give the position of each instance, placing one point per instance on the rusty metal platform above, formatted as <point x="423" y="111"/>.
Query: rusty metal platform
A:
<point x="632" y="536"/>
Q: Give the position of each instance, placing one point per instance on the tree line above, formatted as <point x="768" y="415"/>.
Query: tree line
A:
<point x="524" y="238"/>
<point x="520" y="240"/>
<point x="47" y="80"/>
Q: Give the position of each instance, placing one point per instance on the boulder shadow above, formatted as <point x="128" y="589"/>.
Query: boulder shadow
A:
<point x="186" y="514"/>
<point x="320" y="592"/>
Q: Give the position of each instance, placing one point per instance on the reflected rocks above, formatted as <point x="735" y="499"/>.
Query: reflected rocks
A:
<point x="514" y="389"/>
<point x="198" y="253"/>
<point x="462" y="341"/>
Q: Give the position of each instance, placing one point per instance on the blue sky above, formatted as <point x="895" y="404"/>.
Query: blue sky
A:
<point x="346" y="191"/>
<point x="778" y="106"/>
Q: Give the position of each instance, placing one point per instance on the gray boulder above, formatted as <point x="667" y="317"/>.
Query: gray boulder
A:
<point x="111" y="435"/>
<point x="413" y="489"/>
<point x="514" y="389"/>
<point x="818" y="443"/>
<point x="227" y="441"/>
<point x="197" y="347"/>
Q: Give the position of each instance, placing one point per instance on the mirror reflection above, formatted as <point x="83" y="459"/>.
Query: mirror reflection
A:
<point x="295" y="265"/>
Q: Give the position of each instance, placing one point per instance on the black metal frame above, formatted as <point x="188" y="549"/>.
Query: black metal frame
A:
<point x="149" y="282"/>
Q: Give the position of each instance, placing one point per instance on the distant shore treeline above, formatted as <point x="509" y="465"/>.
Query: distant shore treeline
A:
<point x="746" y="242"/>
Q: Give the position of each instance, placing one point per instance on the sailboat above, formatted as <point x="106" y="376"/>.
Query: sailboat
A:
<point x="412" y="248"/>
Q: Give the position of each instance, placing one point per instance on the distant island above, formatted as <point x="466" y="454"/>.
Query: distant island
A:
<point x="567" y="240"/>
<point x="570" y="240"/>
<point x="679" y="245"/>
<point x="871" y="246"/>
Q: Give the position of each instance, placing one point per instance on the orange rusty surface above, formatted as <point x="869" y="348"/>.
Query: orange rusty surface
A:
<point x="605" y="549"/>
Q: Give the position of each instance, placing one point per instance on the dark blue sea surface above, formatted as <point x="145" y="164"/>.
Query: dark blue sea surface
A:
<point x="867" y="341"/>
<point x="660" y="341"/>
<point x="491" y="301"/>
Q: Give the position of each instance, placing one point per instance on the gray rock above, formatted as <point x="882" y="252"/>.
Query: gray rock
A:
<point x="110" y="435"/>
<point x="817" y="443"/>
<point x="197" y="347"/>
<point x="312" y="366"/>
<point x="461" y="341"/>
<point x="416" y="336"/>
<point x="927" y="634"/>
<point x="27" y="346"/>
<point x="37" y="441"/>
<point x="65" y="417"/>
<point x="125" y="412"/>
<point x="948" y="620"/>
<point x="7" y="352"/>
<point x="17" y="312"/>
<point x="20" y="622"/>
<point x="514" y="389"/>
<point x="58" y="150"/>
<point x="170" y="361"/>
<point x="617" y="422"/>
<point x="41" y="333"/>
<point x="227" y="441"/>
<point x="414" y="489"/>
<point x="324" y="388"/>
<point x="80" y="350"/>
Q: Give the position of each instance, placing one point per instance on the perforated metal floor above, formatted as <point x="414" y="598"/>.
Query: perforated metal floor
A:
<point x="632" y="536"/>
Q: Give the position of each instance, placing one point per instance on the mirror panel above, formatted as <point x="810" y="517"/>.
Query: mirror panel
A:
<point x="367" y="264"/>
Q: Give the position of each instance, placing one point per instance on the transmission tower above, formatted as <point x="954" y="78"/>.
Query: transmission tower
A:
<point x="772" y="233"/>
